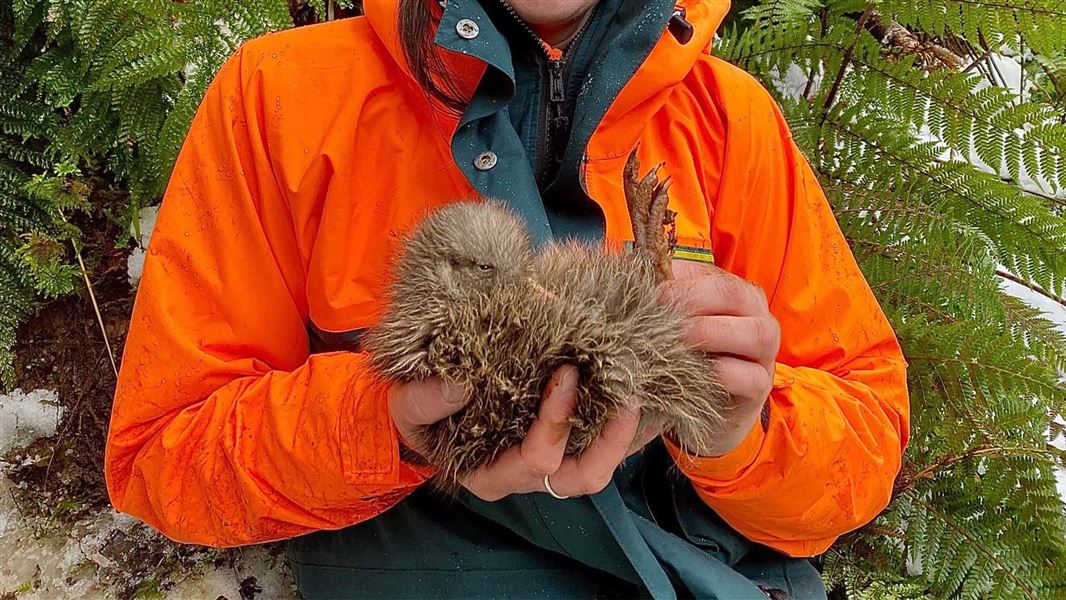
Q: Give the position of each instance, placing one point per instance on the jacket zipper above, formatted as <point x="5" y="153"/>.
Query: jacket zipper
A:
<point x="555" y="112"/>
<point x="554" y="122"/>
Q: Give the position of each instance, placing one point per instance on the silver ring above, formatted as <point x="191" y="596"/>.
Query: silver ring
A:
<point x="548" y="486"/>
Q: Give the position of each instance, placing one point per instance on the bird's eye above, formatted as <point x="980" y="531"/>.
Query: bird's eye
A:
<point x="485" y="267"/>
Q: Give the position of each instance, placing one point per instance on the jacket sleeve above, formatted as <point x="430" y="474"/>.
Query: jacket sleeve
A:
<point x="838" y="416"/>
<point x="224" y="430"/>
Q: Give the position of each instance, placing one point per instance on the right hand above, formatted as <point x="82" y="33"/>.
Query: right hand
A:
<point x="542" y="453"/>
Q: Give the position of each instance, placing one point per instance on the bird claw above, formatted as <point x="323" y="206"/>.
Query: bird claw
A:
<point x="654" y="225"/>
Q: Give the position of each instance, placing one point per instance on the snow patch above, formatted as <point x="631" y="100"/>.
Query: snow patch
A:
<point x="145" y="224"/>
<point x="135" y="265"/>
<point x="27" y="416"/>
<point x="254" y="566"/>
<point x="91" y="559"/>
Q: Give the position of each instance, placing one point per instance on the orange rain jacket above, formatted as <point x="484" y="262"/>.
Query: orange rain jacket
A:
<point x="314" y="150"/>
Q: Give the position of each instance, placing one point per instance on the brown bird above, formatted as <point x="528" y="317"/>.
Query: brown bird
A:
<point x="473" y="304"/>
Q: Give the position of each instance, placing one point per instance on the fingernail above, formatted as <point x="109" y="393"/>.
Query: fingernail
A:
<point x="569" y="376"/>
<point x="452" y="393"/>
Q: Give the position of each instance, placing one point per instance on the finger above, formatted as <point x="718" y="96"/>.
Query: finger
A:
<point x="592" y="470"/>
<point x="522" y="469"/>
<point x="552" y="425"/>
<point x="715" y="294"/>
<point x="746" y="337"/>
<point x="687" y="269"/>
<point x="504" y="476"/>
<point x="747" y="382"/>
<point x="424" y="402"/>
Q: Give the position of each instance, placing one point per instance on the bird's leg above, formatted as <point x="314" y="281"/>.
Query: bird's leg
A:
<point x="638" y="200"/>
<point x="646" y="198"/>
<point x="662" y="241"/>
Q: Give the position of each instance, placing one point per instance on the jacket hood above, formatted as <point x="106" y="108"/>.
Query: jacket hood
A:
<point x="667" y="64"/>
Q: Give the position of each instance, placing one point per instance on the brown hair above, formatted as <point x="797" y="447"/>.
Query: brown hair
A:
<point x="416" y="27"/>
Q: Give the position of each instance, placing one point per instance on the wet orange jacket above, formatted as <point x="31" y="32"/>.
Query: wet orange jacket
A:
<point x="314" y="150"/>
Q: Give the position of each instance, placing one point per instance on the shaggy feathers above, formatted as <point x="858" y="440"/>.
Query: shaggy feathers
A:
<point x="472" y="304"/>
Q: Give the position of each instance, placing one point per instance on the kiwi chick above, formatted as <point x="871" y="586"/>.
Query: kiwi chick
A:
<point x="472" y="303"/>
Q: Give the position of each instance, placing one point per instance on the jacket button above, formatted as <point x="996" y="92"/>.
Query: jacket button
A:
<point x="467" y="29"/>
<point x="485" y="161"/>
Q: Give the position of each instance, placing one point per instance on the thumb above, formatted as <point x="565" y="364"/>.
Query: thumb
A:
<point x="423" y="402"/>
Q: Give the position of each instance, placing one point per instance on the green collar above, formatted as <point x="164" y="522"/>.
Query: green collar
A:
<point x="632" y="28"/>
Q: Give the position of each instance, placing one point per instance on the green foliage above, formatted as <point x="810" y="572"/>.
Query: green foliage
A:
<point x="945" y="181"/>
<point x="323" y="9"/>
<point x="149" y="589"/>
<point x="89" y="88"/>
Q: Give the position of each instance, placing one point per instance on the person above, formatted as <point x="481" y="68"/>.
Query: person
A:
<point x="245" y="411"/>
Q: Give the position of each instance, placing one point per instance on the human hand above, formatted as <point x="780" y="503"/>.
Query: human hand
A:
<point x="419" y="403"/>
<point x="729" y="317"/>
<point x="542" y="453"/>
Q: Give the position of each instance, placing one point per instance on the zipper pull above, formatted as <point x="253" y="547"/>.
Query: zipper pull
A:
<point x="555" y="81"/>
<point x="680" y="27"/>
<point x="558" y="123"/>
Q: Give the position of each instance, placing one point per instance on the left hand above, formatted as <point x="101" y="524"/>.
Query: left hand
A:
<point x="542" y="454"/>
<point x="730" y="318"/>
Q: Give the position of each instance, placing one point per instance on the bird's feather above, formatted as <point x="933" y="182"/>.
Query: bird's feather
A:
<point x="472" y="303"/>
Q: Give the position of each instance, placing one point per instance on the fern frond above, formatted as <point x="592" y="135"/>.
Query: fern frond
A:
<point x="103" y="87"/>
<point x="941" y="180"/>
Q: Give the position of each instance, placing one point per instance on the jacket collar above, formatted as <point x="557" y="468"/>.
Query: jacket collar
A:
<point x="669" y="62"/>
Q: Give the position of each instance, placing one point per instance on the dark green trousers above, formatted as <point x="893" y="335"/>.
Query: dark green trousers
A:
<point x="646" y="535"/>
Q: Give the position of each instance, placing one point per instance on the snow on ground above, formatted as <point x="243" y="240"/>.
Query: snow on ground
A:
<point x="106" y="555"/>
<point x="254" y="569"/>
<point x="26" y="416"/>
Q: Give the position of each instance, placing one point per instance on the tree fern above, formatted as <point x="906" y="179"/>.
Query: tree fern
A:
<point x="93" y="87"/>
<point x="945" y="180"/>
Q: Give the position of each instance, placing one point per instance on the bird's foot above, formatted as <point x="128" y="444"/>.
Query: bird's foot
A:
<point x="654" y="225"/>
